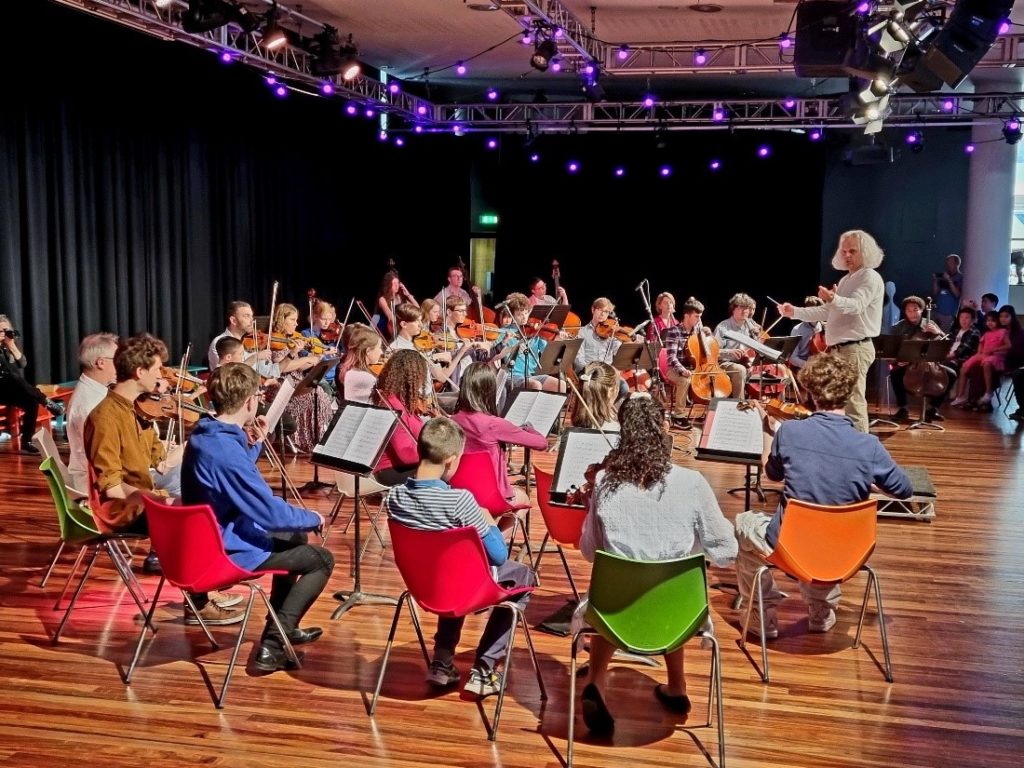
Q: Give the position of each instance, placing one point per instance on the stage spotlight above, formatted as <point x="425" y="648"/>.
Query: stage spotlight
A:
<point x="273" y="37"/>
<point x="207" y="15"/>
<point x="700" y="57"/>
<point x="545" y="51"/>
<point x="915" y="140"/>
<point x="350" y="66"/>
<point x="1011" y="130"/>
<point x="590" y="82"/>
<point x="330" y="58"/>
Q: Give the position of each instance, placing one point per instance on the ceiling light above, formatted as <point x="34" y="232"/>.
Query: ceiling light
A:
<point x="915" y="140"/>
<point x="207" y="15"/>
<point x="545" y="51"/>
<point x="700" y="57"/>
<point x="273" y="37"/>
<point x="1011" y="130"/>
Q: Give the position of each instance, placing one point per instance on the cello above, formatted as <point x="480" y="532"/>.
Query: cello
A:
<point x="707" y="379"/>
<point x="928" y="380"/>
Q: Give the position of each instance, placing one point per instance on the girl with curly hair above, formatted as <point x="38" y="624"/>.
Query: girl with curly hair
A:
<point x="403" y="385"/>
<point x="645" y="508"/>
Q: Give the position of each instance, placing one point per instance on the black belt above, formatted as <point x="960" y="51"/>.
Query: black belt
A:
<point x="848" y="343"/>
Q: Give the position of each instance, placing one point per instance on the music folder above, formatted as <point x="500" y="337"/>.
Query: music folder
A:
<point x="578" y="449"/>
<point x="356" y="438"/>
<point x="730" y="434"/>
<point x="538" y="409"/>
<point x="280" y="402"/>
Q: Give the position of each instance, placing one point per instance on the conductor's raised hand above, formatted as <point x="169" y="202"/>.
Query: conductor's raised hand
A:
<point x="786" y="309"/>
<point x="826" y="294"/>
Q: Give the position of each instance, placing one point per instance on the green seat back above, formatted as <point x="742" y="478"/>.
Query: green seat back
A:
<point x="76" y="521"/>
<point x="647" y="608"/>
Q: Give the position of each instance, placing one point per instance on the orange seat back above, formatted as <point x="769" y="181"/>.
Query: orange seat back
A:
<point x="565" y="524"/>
<point x="825" y="544"/>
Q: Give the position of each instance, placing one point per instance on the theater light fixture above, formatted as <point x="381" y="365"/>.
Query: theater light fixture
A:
<point x="273" y="37"/>
<point x="543" y="53"/>
<point x="1012" y="130"/>
<point x="207" y="15"/>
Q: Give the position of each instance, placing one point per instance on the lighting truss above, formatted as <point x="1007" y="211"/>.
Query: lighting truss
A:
<point x="290" y="64"/>
<point x="576" y="46"/>
<point x="699" y="115"/>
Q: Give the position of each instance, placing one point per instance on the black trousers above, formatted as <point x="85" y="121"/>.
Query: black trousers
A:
<point x="309" y="567"/>
<point x="14" y="390"/>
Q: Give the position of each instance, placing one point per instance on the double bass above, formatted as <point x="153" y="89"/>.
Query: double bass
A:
<point x="572" y="323"/>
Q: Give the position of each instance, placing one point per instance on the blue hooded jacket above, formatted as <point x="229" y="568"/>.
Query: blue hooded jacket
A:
<point x="219" y="469"/>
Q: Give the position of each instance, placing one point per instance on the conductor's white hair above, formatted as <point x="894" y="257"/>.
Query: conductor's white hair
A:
<point x="94" y="346"/>
<point x="869" y="250"/>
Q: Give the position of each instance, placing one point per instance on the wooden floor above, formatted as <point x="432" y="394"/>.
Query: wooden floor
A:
<point x="954" y="596"/>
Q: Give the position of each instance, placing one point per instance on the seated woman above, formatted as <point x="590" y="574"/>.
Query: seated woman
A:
<point x="401" y="387"/>
<point x="599" y="386"/>
<point x="477" y="413"/>
<point x="364" y="349"/>
<point x="645" y="508"/>
<point x="311" y="410"/>
<point x="392" y="292"/>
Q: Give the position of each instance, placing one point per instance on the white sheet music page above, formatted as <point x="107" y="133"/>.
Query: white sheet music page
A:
<point x="735" y="431"/>
<point x="539" y="409"/>
<point x="338" y="438"/>
<point x="370" y="433"/>
<point x="579" y="451"/>
<point x="281" y="400"/>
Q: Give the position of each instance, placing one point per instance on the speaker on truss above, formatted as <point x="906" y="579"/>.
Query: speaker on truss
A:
<point x="826" y="34"/>
<point x="969" y="32"/>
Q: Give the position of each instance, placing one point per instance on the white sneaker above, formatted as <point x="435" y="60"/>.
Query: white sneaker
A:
<point x="958" y="401"/>
<point x="985" y="399"/>
<point x="771" y="625"/>
<point x="817" y="622"/>
<point x="442" y="675"/>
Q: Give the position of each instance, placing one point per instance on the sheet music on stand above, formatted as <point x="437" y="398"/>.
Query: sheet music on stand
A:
<point x="279" y="403"/>
<point x="355" y="438"/>
<point x="763" y="350"/>
<point x="538" y="409"/>
<point x="577" y="450"/>
<point x="730" y="434"/>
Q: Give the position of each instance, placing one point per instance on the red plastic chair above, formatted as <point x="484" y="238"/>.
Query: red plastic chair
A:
<point x="192" y="558"/>
<point x="447" y="573"/>
<point x="564" y="524"/>
<point x="476" y="475"/>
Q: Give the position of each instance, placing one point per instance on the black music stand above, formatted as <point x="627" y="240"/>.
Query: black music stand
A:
<point x="558" y="358"/>
<point x="924" y="351"/>
<point x="887" y="348"/>
<point x="309" y="384"/>
<point x="633" y="356"/>
<point x="550" y="313"/>
<point x="785" y="346"/>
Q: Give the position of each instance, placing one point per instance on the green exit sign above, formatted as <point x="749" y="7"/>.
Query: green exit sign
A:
<point x="488" y="219"/>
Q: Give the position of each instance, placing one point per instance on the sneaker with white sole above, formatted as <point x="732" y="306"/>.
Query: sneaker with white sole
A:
<point x="771" y="624"/>
<point x="225" y="599"/>
<point x="817" y="621"/>
<point x="442" y="674"/>
<point x="483" y="682"/>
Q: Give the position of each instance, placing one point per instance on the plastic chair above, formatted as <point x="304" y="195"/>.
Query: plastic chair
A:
<point x="824" y="546"/>
<point x="346" y="485"/>
<point x="192" y="558"/>
<point x="564" y="524"/>
<point x="476" y="475"/>
<point x="78" y="528"/>
<point x="648" y="609"/>
<point x="447" y="573"/>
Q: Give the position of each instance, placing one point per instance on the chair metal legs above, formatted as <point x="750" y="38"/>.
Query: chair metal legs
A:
<point x="755" y="594"/>
<point x="565" y="563"/>
<point x="391" y="640"/>
<point x="53" y="562"/>
<point x="714" y="693"/>
<point x="254" y="588"/>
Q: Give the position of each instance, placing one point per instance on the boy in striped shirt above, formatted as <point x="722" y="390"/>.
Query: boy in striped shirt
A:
<point x="426" y="502"/>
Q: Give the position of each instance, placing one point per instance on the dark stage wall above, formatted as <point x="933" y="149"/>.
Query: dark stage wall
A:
<point x="143" y="185"/>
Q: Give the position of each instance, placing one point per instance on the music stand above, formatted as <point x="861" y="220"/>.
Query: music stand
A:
<point x="785" y="346"/>
<point x="924" y="351"/>
<point x="550" y="313"/>
<point x="309" y="384"/>
<point x="558" y="358"/>
<point x="887" y="348"/>
<point x="632" y="356"/>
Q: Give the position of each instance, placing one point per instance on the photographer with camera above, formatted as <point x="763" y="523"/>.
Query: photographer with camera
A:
<point x="15" y="390"/>
<point x="946" y="287"/>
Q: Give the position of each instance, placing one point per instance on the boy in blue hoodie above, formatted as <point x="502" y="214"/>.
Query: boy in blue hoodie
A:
<point x="261" y="531"/>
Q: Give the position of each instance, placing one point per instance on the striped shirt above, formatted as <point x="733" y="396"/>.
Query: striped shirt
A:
<point x="433" y="505"/>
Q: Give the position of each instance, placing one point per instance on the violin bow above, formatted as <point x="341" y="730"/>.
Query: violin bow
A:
<point x="270" y="319"/>
<point x="369" y="320"/>
<point x="311" y="295"/>
<point x="347" y="314"/>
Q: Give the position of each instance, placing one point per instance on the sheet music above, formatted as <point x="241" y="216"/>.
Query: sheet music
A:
<point x="766" y="352"/>
<point x="733" y="430"/>
<point x="358" y="435"/>
<point x="539" y="409"/>
<point x="281" y="400"/>
<point x="579" y="451"/>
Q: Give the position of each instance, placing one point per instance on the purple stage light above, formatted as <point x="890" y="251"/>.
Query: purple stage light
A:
<point x="789" y="103"/>
<point x="399" y="141"/>
<point x="527" y="39"/>
<point x="534" y="158"/>
<point x="417" y="129"/>
<point x="718" y="115"/>
<point x="492" y="94"/>
<point x="815" y="134"/>
<point x="393" y="88"/>
<point x="648" y="101"/>
<point x="969" y="149"/>
<point x="914" y="137"/>
<point x="714" y="165"/>
<point x="370" y="113"/>
<point x="623" y="54"/>
<point x="863" y="8"/>
<point x="351" y="109"/>
<point x="665" y="170"/>
<point x="492" y="143"/>
<point x="559" y="33"/>
<point x="281" y="91"/>
<point x="763" y="151"/>
<point x="556" y="65"/>
<point x="589" y="69"/>
<point x="270" y="80"/>
<point x="421" y="110"/>
<point x="700" y="57"/>
<point x="1013" y="124"/>
<point x="785" y="42"/>
<point x="948" y="105"/>
<point x="460" y="68"/>
<point x="382" y="136"/>
<point x="620" y="171"/>
<point x="326" y="89"/>
<point x="1004" y="27"/>
<point x="226" y="57"/>
<point x="458" y="130"/>
<point x="573" y="166"/>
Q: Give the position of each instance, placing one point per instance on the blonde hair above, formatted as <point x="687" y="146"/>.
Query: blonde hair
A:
<point x="282" y="311"/>
<point x="602" y="303"/>
<point x="661" y="297"/>
<point x="600" y="388"/>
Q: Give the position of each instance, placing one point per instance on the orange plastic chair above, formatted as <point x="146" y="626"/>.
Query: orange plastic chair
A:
<point x="564" y="524"/>
<point x="824" y="546"/>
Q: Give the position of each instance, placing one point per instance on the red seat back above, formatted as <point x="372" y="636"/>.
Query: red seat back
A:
<point x="446" y="571"/>
<point x="188" y="541"/>
<point x="476" y="475"/>
<point x="565" y="524"/>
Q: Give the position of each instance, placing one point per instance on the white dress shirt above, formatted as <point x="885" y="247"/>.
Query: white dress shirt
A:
<point x="87" y="395"/>
<point x="854" y="313"/>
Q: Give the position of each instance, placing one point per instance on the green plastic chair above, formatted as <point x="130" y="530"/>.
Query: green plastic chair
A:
<point x="649" y="608"/>
<point x="78" y="528"/>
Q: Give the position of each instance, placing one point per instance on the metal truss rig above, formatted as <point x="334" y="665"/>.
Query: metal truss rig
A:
<point x="290" y="65"/>
<point x="908" y="110"/>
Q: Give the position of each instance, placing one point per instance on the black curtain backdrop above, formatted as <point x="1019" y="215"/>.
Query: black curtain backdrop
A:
<point x="143" y="185"/>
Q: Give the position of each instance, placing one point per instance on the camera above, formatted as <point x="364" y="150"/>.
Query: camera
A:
<point x="10" y="333"/>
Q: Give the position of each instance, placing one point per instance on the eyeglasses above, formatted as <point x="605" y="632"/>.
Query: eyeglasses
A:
<point x="461" y="311"/>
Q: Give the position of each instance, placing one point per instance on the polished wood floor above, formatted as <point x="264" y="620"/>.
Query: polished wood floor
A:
<point x="954" y="597"/>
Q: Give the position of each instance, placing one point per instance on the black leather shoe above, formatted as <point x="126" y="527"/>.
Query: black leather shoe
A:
<point x="596" y="717"/>
<point x="901" y="415"/>
<point x="680" y="704"/>
<point x="934" y="415"/>
<point x="303" y="636"/>
<point x="151" y="564"/>
<point x="273" y="659"/>
<point x="29" y="450"/>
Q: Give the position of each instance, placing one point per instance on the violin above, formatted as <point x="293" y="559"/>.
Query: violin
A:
<point x="472" y="330"/>
<point x="331" y="333"/>
<point x="423" y="341"/>
<point x="777" y="409"/>
<point x="277" y="342"/>
<point x="154" y="407"/>
<point x="546" y="331"/>
<point x="707" y="379"/>
<point x="610" y="328"/>
<point x="175" y="378"/>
